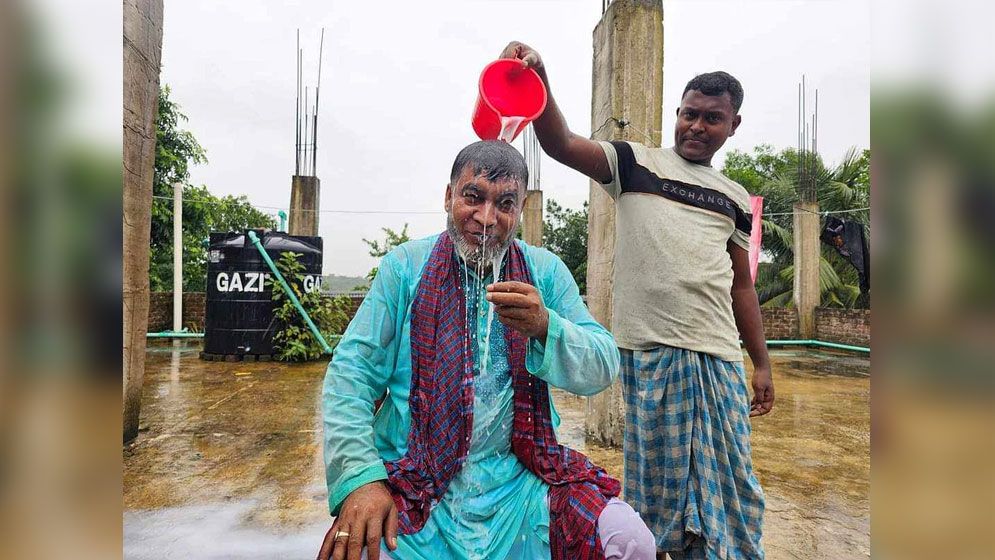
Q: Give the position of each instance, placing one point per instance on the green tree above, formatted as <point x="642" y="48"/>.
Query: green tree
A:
<point x="293" y="340"/>
<point x="773" y="175"/>
<point x="564" y="232"/>
<point x="176" y="152"/>
<point x="379" y="249"/>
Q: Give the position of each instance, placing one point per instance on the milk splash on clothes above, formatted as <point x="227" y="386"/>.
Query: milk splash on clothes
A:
<point x="496" y="271"/>
<point x="486" y="253"/>
<point x="484" y="348"/>
<point x="474" y="297"/>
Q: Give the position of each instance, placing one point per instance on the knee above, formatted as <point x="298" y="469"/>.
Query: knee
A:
<point x="643" y="542"/>
<point x="624" y="535"/>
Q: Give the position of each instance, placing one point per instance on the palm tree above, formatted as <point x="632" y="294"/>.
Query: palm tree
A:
<point x="845" y="187"/>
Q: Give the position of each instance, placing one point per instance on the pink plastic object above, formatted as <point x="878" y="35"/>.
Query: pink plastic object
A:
<point x="509" y="99"/>
<point x="756" y="234"/>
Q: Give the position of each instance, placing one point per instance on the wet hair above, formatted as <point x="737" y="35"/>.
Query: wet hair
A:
<point x="494" y="159"/>
<point x="715" y="84"/>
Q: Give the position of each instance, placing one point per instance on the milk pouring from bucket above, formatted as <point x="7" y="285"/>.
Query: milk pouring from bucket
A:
<point x="509" y="98"/>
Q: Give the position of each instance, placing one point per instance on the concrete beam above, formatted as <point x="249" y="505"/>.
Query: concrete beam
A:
<point x="142" y="22"/>
<point x="305" y="198"/>
<point x="807" y="295"/>
<point x="532" y="219"/>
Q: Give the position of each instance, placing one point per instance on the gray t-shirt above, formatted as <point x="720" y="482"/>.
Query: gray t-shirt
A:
<point x="673" y="273"/>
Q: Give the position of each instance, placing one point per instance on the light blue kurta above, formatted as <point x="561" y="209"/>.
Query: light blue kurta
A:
<point x="494" y="508"/>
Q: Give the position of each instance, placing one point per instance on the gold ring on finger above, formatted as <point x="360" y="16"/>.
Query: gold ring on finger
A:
<point x="340" y="534"/>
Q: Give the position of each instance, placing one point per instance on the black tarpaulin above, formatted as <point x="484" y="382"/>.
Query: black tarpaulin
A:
<point x="850" y="241"/>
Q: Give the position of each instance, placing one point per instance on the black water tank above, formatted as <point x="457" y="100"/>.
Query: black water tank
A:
<point x="238" y="319"/>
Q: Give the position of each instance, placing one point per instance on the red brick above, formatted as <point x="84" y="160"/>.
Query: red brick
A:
<point x="845" y="326"/>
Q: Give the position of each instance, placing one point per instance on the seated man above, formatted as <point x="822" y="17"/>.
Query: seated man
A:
<point x="465" y="331"/>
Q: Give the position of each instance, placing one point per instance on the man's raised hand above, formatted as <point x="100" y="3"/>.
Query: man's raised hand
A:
<point x="529" y="57"/>
<point x="367" y="515"/>
<point x="518" y="305"/>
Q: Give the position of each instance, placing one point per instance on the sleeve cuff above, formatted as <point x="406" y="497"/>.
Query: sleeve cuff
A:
<point x="741" y="239"/>
<point x="538" y="357"/>
<point x="613" y="187"/>
<point x="351" y="481"/>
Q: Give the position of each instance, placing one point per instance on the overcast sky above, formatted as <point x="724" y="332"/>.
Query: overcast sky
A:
<point x="399" y="82"/>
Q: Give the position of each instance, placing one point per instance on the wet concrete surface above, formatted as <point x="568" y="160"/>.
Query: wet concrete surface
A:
<point x="228" y="459"/>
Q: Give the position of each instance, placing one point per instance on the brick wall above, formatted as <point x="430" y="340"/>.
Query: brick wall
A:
<point x="355" y="300"/>
<point x="780" y="323"/>
<point x="161" y="311"/>
<point x="844" y="326"/>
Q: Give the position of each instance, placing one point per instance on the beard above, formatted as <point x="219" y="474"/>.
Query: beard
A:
<point x="475" y="255"/>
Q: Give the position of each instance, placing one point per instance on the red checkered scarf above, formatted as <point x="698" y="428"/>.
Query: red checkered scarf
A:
<point x="441" y="403"/>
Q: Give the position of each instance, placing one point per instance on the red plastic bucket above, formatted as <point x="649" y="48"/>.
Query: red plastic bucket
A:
<point x="509" y="99"/>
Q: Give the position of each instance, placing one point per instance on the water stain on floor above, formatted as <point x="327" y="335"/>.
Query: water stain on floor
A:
<point x="228" y="461"/>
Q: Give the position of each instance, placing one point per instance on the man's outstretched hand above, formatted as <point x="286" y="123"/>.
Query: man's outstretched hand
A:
<point x="529" y="57"/>
<point x="367" y="515"/>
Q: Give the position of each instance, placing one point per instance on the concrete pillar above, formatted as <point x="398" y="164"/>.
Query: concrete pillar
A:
<point x="628" y="87"/>
<point x="142" y="21"/>
<point x="807" y="256"/>
<point x="532" y="218"/>
<point x="177" y="256"/>
<point x="305" y="195"/>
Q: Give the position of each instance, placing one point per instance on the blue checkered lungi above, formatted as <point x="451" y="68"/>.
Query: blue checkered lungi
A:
<point x="688" y="467"/>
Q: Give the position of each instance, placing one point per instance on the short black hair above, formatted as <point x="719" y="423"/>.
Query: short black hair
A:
<point x="494" y="159"/>
<point x="717" y="83"/>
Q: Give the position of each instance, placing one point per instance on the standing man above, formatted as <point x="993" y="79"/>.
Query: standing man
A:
<point x="683" y="299"/>
<point x="461" y="461"/>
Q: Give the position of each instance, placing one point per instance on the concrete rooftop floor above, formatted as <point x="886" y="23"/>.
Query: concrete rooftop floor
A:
<point x="228" y="460"/>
